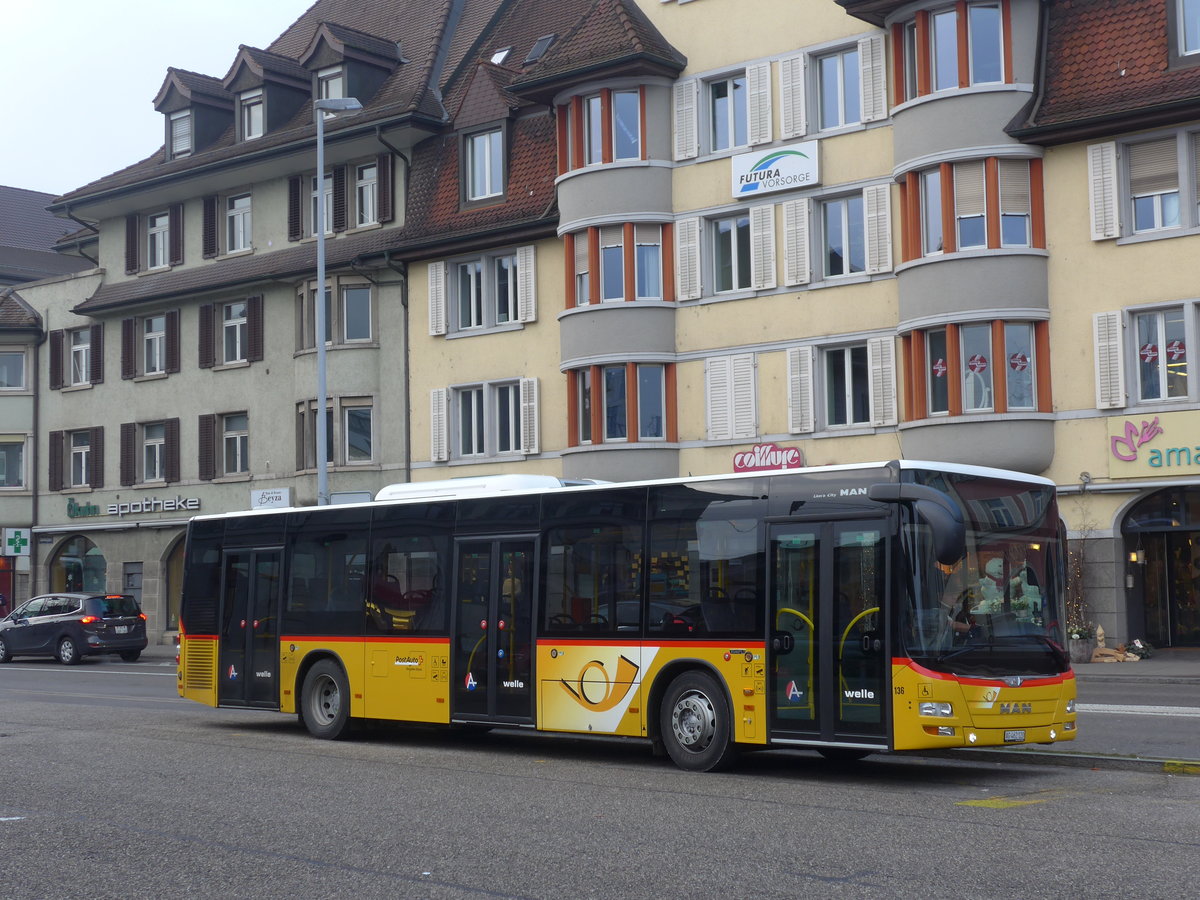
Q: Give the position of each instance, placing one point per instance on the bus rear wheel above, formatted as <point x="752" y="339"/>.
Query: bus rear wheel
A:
<point x="325" y="701"/>
<point x="694" y="723"/>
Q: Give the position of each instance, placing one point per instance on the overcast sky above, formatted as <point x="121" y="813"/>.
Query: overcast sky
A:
<point x="82" y="75"/>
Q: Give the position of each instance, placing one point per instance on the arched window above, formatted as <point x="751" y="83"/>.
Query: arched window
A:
<point x="78" y="566"/>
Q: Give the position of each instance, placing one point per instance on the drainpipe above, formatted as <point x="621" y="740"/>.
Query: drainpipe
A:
<point x="401" y="269"/>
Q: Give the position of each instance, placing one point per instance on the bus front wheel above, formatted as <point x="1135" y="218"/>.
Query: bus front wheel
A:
<point x="694" y="723"/>
<point x="325" y="701"/>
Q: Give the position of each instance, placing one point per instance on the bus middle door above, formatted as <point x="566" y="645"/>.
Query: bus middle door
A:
<point x="828" y="651"/>
<point x="492" y="656"/>
<point x="249" y="643"/>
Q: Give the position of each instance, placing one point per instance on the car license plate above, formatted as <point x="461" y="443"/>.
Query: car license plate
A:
<point x="1013" y="736"/>
<point x="121" y="629"/>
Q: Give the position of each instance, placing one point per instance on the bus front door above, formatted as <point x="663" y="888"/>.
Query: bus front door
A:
<point x="492" y="672"/>
<point x="249" y="655"/>
<point x="827" y="647"/>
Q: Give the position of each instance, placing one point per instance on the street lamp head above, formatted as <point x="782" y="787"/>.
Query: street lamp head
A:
<point x="337" y="104"/>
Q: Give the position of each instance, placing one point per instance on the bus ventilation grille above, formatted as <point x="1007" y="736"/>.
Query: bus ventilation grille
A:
<point x="201" y="664"/>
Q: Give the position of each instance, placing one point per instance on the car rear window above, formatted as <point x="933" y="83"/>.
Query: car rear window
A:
<point x="110" y="607"/>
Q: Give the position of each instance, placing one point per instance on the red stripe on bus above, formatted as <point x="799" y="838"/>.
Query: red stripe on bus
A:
<point x="962" y="679"/>
<point x="666" y="642"/>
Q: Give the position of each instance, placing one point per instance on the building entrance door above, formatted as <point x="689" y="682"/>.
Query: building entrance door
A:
<point x="1172" y="588"/>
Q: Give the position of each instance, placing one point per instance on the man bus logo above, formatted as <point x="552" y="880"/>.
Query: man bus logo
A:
<point x="610" y="692"/>
<point x="1016" y="709"/>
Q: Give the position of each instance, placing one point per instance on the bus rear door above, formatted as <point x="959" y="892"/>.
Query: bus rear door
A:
<point x="827" y="651"/>
<point x="492" y="667"/>
<point x="248" y="672"/>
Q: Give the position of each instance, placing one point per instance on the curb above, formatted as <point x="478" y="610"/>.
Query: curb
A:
<point x="1074" y="760"/>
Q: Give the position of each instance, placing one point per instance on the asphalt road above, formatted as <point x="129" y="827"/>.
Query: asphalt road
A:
<point x="110" y="786"/>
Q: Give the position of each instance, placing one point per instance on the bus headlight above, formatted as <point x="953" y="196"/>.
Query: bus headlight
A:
<point x="1071" y="705"/>
<point x="943" y="710"/>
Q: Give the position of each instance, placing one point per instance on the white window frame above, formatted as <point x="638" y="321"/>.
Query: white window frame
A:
<point x="978" y="388"/>
<point x="80" y="458"/>
<point x="18" y="353"/>
<point x="180" y="133"/>
<point x="735" y="225"/>
<point x="238" y="223"/>
<point x="251" y="114"/>
<point x="943" y="52"/>
<point x="730" y="116"/>
<point x="234" y="330"/>
<point x="235" y="443"/>
<point x="5" y="474"/>
<point x="502" y="416"/>
<point x="850" y="388"/>
<point x="592" y="111"/>
<point x="366" y="193"/>
<point x="331" y="85"/>
<point x="344" y="318"/>
<point x="973" y="10"/>
<point x="484" y="173"/>
<point x="618" y="123"/>
<point x="659" y="392"/>
<point x="158" y="240"/>
<point x="154" y="456"/>
<point x="446" y="312"/>
<point x="584" y="397"/>
<point x="80" y="340"/>
<point x="315" y="196"/>
<point x="648" y="275"/>
<point x="1188" y="26"/>
<point x="844" y="59"/>
<point x="931" y="214"/>
<point x="612" y="263"/>
<point x="1031" y="367"/>
<point x="607" y="436"/>
<point x="357" y="409"/>
<point x="154" y="344"/>
<point x="843" y="204"/>
<point x="1186" y="313"/>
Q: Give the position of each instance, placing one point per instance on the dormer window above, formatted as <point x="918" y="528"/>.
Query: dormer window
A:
<point x="251" y="114"/>
<point x="331" y="85"/>
<point x="179" y="127"/>
<point x="485" y="164"/>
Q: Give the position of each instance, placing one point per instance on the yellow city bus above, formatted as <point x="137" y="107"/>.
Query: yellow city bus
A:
<point x="848" y="609"/>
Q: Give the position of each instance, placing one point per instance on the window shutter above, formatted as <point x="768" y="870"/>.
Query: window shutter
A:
<point x="128" y="453"/>
<point x="295" y="215"/>
<point x="57" y="455"/>
<point x="1110" y="364"/>
<point x="206" y="350"/>
<point x="687" y="259"/>
<point x="437" y="298"/>
<point x="743" y="396"/>
<point x="795" y="241"/>
<point x="207" y="457"/>
<point x="758" y="103"/>
<point x="872" y="78"/>
<point x="211" y="247"/>
<point x="686" y="96"/>
<point x="175" y="238"/>
<point x="171" y="448"/>
<point x="800" y="390"/>
<point x="529" y="416"/>
<point x="716" y="397"/>
<point x="1014" y="186"/>
<point x="1102" y="178"/>
<point x="96" y="475"/>
<point x="339" y="198"/>
<point x="128" y="350"/>
<point x="969" y="189"/>
<point x="1153" y="167"/>
<point x="877" y="205"/>
<point x="527" y="284"/>
<point x="254" y="328"/>
<point x="132" y="244"/>
<point x="96" y="363"/>
<point x="172" y="340"/>
<point x="762" y="247"/>
<point x="56" y="359"/>
<point x="793" y="122"/>
<point x="881" y="356"/>
<point x="384" y="201"/>
<point x="1196" y="159"/>
<point x="439" y="441"/>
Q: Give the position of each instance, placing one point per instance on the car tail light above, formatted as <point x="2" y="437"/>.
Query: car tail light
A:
<point x="142" y="616"/>
<point x="89" y="620"/>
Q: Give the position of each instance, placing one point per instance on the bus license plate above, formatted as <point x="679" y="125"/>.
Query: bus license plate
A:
<point x="1013" y="736"/>
<point x="121" y="629"/>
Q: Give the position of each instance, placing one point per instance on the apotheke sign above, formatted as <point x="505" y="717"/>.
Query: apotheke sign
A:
<point x="782" y="169"/>
<point x="76" y="510"/>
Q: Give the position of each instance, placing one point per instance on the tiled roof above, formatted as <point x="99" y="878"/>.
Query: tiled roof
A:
<point x="1106" y="68"/>
<point x="266" y="61"/>
<point x="192" y="83"/>
<point x="360" y="40"/>
<point x="24" y="221"/>
<point x="15" y="312"/>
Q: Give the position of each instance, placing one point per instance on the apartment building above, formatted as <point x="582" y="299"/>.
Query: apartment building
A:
<point x="616" y="239"/>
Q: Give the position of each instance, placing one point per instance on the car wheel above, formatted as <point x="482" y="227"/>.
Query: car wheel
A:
<point x="695" y="725"/>
<point x="5" y="654"/>
<point x="325" y="701"/>
<point x="68" y="652"/>
<point x="130" y="655"/>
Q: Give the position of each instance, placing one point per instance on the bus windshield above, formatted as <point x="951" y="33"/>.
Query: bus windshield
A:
<point x="995" y="612"/>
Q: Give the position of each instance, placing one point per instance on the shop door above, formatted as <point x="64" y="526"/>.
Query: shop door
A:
<point x="249" y="655"/>
<point x="829" y="673"/>
<point x="493" y="631"/>
<point x="1172" y="589"/>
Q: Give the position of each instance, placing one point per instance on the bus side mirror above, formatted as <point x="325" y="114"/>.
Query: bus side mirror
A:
<point x="937" y="510"/>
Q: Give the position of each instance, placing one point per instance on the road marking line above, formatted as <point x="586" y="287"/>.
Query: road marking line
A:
<point x="1187" y="712"/>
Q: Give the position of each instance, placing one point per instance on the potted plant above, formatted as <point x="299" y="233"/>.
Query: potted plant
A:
<point x="1081" y="640"/>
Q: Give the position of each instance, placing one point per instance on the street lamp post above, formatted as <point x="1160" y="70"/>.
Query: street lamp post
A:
<point x="332" y="105"/>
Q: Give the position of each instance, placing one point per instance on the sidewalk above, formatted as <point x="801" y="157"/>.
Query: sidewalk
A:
<point x="1176" y="665"/>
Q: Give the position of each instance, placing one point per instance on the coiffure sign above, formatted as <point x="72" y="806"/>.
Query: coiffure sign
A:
<point x="782" y="169"/>
<point x="1163" y="444"/>
<point x="764" y="457"/>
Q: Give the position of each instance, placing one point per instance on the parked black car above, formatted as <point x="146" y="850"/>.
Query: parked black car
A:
<point x="70" y="626"/>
